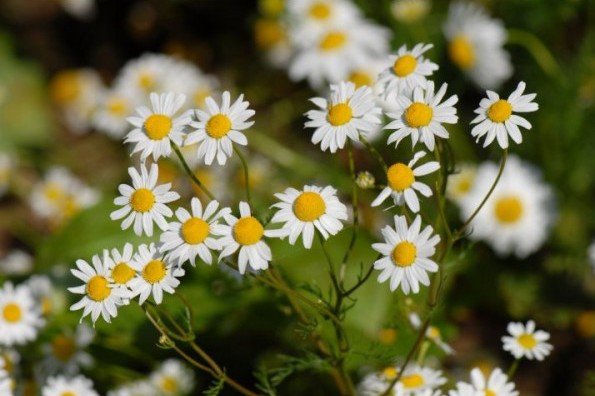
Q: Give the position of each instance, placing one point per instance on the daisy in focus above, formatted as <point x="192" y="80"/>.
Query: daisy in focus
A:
<point x="192" y="235"/>
<point x="347" y="113"/>
<point x="416" y="380"/>
<point x="173" y="378"/>
<point x="432" y="333"/>
<point x="217" y="128"/>
<point x="525" y="341"/>
<point x="461" y="182"/>
<point x="497" y="384"/>
<point x="245" y="234"/>
<point x="100" y="297"/>
<point x="60" y="386"/>
<point x="421" y="115"/>
<point x="304" y="212"/>
<point x="407" y="255"/>
<point x="402" y="183"/>
<point x="119" y="265"/>
<point x="144" y="203"/>
<point x="66" y="354"/>
<point x="20" y="317"/>
<point x="497" y="119"/>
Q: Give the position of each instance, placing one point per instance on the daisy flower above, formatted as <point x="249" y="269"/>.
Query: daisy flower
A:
<point x="271" y="36"/>
<point x="173" y="378"/>
<point x="517" y="216"/>
<point x="155" y="274"/>
<point x="216" y="128"/>
<point x="119" y="265"/>
<point x="82" y="9"/>
<point x="407" y="255"/>
<point x="136" y="388"/>
<point x="144" y="202"/>
<point x="410" y="11"/>
<point x="49" y="299"/>
<point x="497" y="119"/>
<point x="402" y="182"/>
<point x="60" y="386"/>
<point x="415" y="378"/>
<point x="460" y="183"/>
<point x="100" y="297"/>
<point x="525" y="341"/>
<point x="346" y="114"/>
<point x="20" y="318"/>
<point x="475" y="44"/>
<point x="115" y="105"/>
<point x="146" y="74"/>
<point x="432" y="333"/>
<point x="66" y="354"/>
<point x="16" y="262"/>
<point x="192" y="235"/>
<point x="408" y="69"/>
<point x="156" y="129"/>
<point x="421" y="115"/>
<point x="311" y="17"/>
<point x="303" y="212"/>
<point x="496" y="385"/>
<point x="245" y="233"/>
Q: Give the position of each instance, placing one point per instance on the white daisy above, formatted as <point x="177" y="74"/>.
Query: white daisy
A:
<point x="415" y="381"/>
<point x="146" y="74"/>
<point x="407" y="255"/>
<point x="7" y="168"/>
<point x="303" y="212"/>
<point x="496" y="385"/>
<point x="144" y="202"/>
<point x="115" y="105"/>
<point x="20" y="317"/>
<point x="432" y="333"/>
<point x="421" y="115"/>
<point x="100" y="296"/>
<point x="173" y="378"/>
<point x="410" y="11"/>
<point x="192" y="236"/>
<point x="311" y="17"/>
<point x="496" y="118"/>
<point x="245" y="233"/>
<point x="155" y="274"/>
<point x="16" y="262"/>
<point x="136" y="388"/>
<point x="216" y="128"/>
<point x="476" y="44"/>
<point x="66" y="354"/>
<point x="402" y="182"/>
<point x="525" y="341"/>
<point x="60" y="386"/>
<point x="49" y="298"/>
<point x="408" y="69"/>
<point x="346" y="114"/>
<point x="461" y="182"/>
<point x="119" y="265"/>
<point x="156" y="129"/>
<point x="517" y="216"/>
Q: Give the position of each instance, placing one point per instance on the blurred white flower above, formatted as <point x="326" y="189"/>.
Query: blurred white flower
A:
<point x="60" y="386"/>
<point x="525" y="341"/>
<point x="173" y="378"/>
<point x="16" y="262"/>
<point x="410" y="11"/>
<point x="496" y="385"/>
<point x="66" y="354"/>
<point x="461" y="182"/>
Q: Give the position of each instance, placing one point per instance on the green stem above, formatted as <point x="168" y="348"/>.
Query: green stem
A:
<point x="354" y="204"/>
<point x="374" y="153"/>
<point x="513" y="368"/>
<point x="190" y="173"/>
<point x="246" y="172"/>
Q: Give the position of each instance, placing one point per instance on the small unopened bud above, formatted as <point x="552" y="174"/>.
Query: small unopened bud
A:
<point x="365" y="180"/>
<point x="165" y="342"/>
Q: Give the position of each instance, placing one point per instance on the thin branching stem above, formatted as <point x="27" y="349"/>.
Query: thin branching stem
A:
<point x="246" y="172"/>
<point x="189" y="172"/>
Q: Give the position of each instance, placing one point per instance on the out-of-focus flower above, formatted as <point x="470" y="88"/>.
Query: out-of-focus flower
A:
<point x="416" y="380"/>
<point x="60" y="386"/>
<point x="83" y="9"/>
<point x="365" y="180"/>
<point x="136" y="388"/>
<point x="49" y="299"/>
<point x="410" y="11"/>
<point x="20" y="317"/>
<point x="526" y="341"/>
<point x="461" y="182"/>
<point x="173" y="378"/>
<point x="497" y="384"/>
<point x="432" y="333"/>
<point x="146" y="74"/>
<point x="66" y="354"/>
<point x="113" y="107"/>
<point x="310" y="18"/>
<point x="16" y="262"/>
<point x="271" y="36"/>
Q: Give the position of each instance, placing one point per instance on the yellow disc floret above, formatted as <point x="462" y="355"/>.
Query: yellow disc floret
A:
<point x="195" y="231"/>
<point x="218" y="126"/>
<point x="66" y="87"/>
<point x="122" y="273"/>
<point x="340" y="114"/>
<point x="248" y="231"/>
<point x="154" y="271"/>
<point x="117" y="107"/>
<point x="418" y="115"/>
<point x="400" y="177"/>
<point x="169" y="385"/>
<point x="98" y="288"/>
<point x="319" y="11"/>
<point x="404" y="65"/>
<point x="12" y="313"/>
<point x="157" y="126"/>
<point x="412" y="381"/>
<point x="508" y="210"/>
<point x="390" y="373"/>
<point x="500" y="111"/>
<point x="309" y="206"/>
<point x="527" y="341"/>
<point x="361" y="79"/>
<point x="333" y="41"/>
<point x="268" y="33"/>
<point x="404" y="254"/>
<point x="461" y="52"/>
<point x="142" y="200"/>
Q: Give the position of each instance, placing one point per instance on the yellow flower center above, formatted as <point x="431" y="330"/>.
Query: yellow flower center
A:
<point x="509" y="210"/>
<point x="169" y="384"/>
<point x="68" y="393"/>
<point x="12" y="313"/>
<point x="63" y="348"/>
<point x="333" y="41"/>
<point x="154" y="271"/>
<point x="122" y="273"/>
<point x="218" y="126"/>
<point x="387" y="336"/>
<point x="66" y="87"/>
<point x="53" y="192"/>
<point x="418" y="115"/>
<point x="489" y="392"/>
<point x="320" y="11"/>
<point x="405" y="65"/>
<point x="390" y="373"/>
<point x="248" y="231"/>
<point x="500" y="111"/>
<point x="527" y="341"/>
<point x="433" y="333"/>
<point x="146" y="81"/>
<point x="464" y="186"/>
<point x="157" y="126"/>
<point x="404" y="254"/>
<point x="117" y="107"/>
<point x="361" y="79"/>
<point x="195" y="231"/>
<point x="400" y="177"/>
<point x="268" y="33"/>
<point x="142" y="200"/>
<point x="461" y="52"/>
<point x="309" y="206"/>
<point x="412" y="381"/>
<point x="97" y="288"/>
<point x="340" y="114"/>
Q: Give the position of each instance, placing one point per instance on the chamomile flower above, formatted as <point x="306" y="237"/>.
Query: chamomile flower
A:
<point x="460" y="183"/>
<point x="136" y="388"/>
<point x="16" y="262"/>
<point x="408" y="69"/>
<point x="432" y="333"/>
<point x="410" y="11"/>
<point x="155" y="274"/>
<point x="144" y="202"/>
<point x="245" y="234"/>
<point x="347" y="113"/>
<point x="50" y="299"/>
<point x="497" y="384"/>
<point x="20" y="318"/>
<point x="304" y="212"/>
<point x="402" y="182"/>
<point x="157" y="128"/>
<point x="525" y="341"/>
<point x="100" y="296"/>
<point x="271" y="36"/>
<point x="192" y="235"/>
<point x="416" y="378"/>
<point x="114" y="106"/>
<point x="497" y="119"/>
<point x="311" y="17"/>
<point x="517" y="216"/>
<point x="146" y="74"/>
<point x="217" y="128"/>
<point x="66" y="354"/>
<point x="60" y="386"/>
<point x="421" y="115"/>
<point x="173" y="378"/>
<point x="7" y="167"/>
<point x="476" y="44"/>
<point x="119" y="265"/>
<point x="407" y="255"/>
